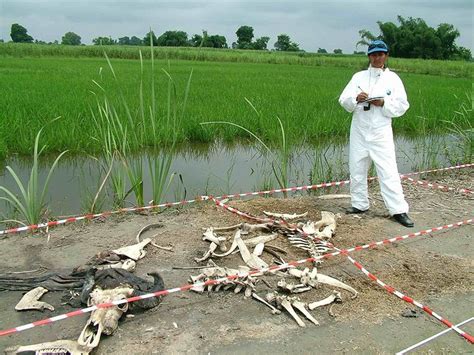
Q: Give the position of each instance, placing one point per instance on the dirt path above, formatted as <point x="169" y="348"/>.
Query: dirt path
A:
<point x="435" y="269"/>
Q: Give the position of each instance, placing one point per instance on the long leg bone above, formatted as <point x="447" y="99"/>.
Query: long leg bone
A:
<point x="258" y="298"/>
<point x="287" y="305"/>
<point x="300" y="306"/>
<point x="336" y="283"/>
<point x="30" y="300"/>
<point x="334" y="297"/>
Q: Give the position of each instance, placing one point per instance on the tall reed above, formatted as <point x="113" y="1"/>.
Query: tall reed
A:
<point x="31" y="204"/>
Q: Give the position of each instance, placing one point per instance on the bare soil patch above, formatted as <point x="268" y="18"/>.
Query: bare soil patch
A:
<point x="432" y="267"/>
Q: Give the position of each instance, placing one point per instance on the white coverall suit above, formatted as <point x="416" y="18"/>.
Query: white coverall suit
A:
<point x="371" y="136"/>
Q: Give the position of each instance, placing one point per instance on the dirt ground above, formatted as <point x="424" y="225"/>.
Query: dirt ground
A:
<point x="435" y="269"/>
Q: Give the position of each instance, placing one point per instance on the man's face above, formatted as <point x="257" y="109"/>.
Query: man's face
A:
<point x="377" y="59"/>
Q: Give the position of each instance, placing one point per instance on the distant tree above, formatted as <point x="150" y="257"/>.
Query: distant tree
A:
<point x="104" y="41"/>
<point x="38" y="41"/>
<point x="244" y="37"/>
<point x="284" y="43"/>
<point x="213" y="41"/>
<point x="359" y="52"/>
<point x="19" y="34"/>
<point x="135" y="41"/>
<point x="322" y="51"/>
<point x="124" y="41"/>
<point x="413" y="38"/>
<point x="218" y="41"/>
<point x="338" y="51"/>
<point x="147" y="40"/>
<point x="261" y="43"/>
<point x="173" y="39"/>
<point x="71" y="39"/>
<point x="1" y="40"/>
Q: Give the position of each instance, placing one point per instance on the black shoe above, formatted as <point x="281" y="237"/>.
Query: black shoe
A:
<point x="353" y="210"/>
<point x="403" y="219"/>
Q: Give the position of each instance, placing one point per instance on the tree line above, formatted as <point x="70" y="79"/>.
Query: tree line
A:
<point x="413" y="38"/>
<point x="245" y="40"/>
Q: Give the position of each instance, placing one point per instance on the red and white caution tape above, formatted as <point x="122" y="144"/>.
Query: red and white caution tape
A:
<point x="400" y="295"/>
<point x="435" y="185"/>
<point x="427" y="340"/>
<point x="203" y="198"/>
<point x="212" y="282"/>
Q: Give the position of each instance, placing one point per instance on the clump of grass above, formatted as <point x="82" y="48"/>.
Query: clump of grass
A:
<point x="462" y="127"/>
<point x="121" y="136"/>
<point x="31" y="204"/>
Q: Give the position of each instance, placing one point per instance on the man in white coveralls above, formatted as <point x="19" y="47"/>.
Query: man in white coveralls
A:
<point x="375" y="96"/>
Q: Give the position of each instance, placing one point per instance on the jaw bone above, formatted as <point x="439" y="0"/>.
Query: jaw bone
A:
<point x="54" y="347"/>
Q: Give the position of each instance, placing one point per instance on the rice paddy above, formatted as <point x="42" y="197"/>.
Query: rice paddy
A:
<point x="40" y="83"/>
<point x="134" y="116"/>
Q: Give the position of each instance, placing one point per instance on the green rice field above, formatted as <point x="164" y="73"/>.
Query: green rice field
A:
<point x="40" y="83"/>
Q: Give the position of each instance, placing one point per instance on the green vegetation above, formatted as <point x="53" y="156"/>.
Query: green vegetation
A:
<point x="304" y="97"/>
<point x="31" y="205"/>
<point x="413" y="38"/>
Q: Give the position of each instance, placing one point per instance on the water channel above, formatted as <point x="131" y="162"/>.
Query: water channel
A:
<point x="220" y="169"/>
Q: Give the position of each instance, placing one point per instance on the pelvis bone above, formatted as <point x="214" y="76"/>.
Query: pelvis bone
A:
<point x="31" y="300"/>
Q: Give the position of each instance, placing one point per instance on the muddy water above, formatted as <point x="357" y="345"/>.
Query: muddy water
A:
<point x="219" y="169"/>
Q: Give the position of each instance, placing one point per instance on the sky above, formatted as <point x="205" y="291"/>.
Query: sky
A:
<point x="312" y="24"/>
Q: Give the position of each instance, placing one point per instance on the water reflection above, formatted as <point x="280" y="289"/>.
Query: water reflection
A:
<point x="220" y="169"/>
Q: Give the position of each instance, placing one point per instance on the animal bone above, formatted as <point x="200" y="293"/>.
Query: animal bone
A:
<point x="212" y="237"/>
<point x="312" y="278"/>
<point x="258" y="298"/>
<point x="334" y="297"/>
<point x="252" y="242"/>
<point x="251" y="260"/>
<point x="300" y="306"/>
<point x="324" y="279"/>
<point x="245" y="282"/>
<point x="127" y="264"/>
<point x="30" y="300"/>
<point x="144" y="229"/>
<point x="293" y="288"/>
<point x="284" y="215"/>
<point x="288" y="303"/>
<point x="258" y="249"/>
<point x="135" y="251"/>
<point x="54" y="347"/>
<point x="103" y="320"/>
<point x="208" y="254"/>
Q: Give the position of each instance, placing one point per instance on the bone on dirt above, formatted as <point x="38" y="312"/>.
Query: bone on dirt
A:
<point x="54" y="347"/>
<point x="30" y="300"/>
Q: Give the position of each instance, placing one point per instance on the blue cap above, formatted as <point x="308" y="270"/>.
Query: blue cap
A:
<point x="377" y="46"/>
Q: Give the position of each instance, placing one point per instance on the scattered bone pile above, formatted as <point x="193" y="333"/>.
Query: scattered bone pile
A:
<point x="311" y="236"/>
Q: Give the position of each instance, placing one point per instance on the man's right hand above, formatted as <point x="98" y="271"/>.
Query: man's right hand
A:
<point x="362" y="96"/>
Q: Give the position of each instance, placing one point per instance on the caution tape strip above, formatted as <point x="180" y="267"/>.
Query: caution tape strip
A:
<point x="400" y="295"/>
<point x="223" y="279"/>
<point x="203" y="198"/>
<point x="435" y="185"/>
